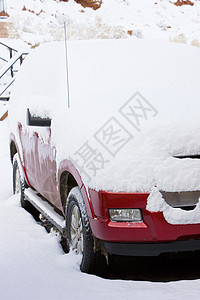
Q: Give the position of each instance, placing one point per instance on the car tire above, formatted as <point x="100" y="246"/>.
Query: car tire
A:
<point x="78" y="231"/>
<point x="19" y="185"/>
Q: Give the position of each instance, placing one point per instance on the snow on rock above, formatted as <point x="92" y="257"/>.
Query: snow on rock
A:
<point x="41" y="21"/>
<point x="37" y="22"/>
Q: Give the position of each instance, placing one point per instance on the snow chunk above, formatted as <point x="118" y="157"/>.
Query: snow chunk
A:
<point x="156" y="203"/>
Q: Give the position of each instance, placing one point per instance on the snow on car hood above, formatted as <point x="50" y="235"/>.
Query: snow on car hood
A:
<point x="133" y="121"/>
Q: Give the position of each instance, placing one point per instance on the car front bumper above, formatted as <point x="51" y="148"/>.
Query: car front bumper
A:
<point x="150" y="249"/>
<point x="153" y="235"/>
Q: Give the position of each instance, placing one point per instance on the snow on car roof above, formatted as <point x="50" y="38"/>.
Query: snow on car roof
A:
<point x="133" y="109"/>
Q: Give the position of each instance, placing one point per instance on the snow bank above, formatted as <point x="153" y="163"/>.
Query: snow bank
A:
<point x="42" y="21"/>
<point x="134" y="107"/>
<point x="33" y="266"/>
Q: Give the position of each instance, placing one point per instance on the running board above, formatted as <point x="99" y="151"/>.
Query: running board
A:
<point x="45" y="209"/>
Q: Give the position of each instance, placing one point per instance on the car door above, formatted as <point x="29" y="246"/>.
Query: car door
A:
<point x="40" y="159"/>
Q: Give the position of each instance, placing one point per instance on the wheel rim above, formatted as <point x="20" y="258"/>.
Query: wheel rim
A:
<point x="76" y="230"/>
<point x="17" y="182"/>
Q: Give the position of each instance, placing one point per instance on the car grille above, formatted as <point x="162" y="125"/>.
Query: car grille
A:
<point x="183" y="200"/>
<point x="195" y="156"/>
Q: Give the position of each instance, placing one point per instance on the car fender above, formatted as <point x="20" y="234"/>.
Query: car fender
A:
<point x="67" y="165"/>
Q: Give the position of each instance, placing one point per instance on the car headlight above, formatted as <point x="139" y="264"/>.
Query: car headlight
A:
<point x="125" y="214"/>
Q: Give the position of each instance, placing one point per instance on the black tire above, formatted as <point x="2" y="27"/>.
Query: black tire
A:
<point x="75" y="204"/>
<point x="19" y="185"/>
<point x="18" y="182"/>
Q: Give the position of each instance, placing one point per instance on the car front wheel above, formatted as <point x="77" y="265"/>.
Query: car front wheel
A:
<point x="78" y="231"/>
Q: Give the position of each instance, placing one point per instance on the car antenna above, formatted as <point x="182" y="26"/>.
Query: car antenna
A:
<point x="66" y="61"/>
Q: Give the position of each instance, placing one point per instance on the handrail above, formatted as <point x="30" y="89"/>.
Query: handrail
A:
<point x="19" y="56"/>
<point x="3" y="59"/>
<point x="11" y="62"/>
<point x="10" y="48"/>
<point x="7" y="86"/>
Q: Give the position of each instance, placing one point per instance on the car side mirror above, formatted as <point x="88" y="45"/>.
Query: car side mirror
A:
<point x="33" y="120"/>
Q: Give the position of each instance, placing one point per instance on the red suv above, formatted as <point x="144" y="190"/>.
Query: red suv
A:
<point x="98" y="147"/>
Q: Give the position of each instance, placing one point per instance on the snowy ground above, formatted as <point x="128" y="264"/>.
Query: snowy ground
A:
<point x="34" y="266"/>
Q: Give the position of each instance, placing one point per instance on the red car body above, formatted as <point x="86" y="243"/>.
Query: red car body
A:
<point x="151" y="237"/>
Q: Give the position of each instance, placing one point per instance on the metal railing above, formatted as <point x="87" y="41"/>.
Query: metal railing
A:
<point x="11" y="53"/>
<point x="14" y="57"/>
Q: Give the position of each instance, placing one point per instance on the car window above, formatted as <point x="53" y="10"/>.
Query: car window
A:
<point x="33" y="120"/>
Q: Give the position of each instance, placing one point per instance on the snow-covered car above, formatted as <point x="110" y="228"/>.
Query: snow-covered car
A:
<point x="105" y="143"/>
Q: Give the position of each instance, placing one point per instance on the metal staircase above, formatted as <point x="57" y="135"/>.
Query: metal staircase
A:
<point x="8" y="72"/>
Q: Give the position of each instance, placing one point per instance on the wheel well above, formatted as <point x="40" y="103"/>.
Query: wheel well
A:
<point x="67" y="182"/>
<point x="13" y="151"/>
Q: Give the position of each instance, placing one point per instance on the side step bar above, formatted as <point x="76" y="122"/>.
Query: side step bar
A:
<point x="45" y="209"/>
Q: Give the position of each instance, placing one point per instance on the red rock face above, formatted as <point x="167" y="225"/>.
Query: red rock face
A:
<point x="95" y="4"/>
<point x="4" y="14"/>
<point x="183" y="2"/>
